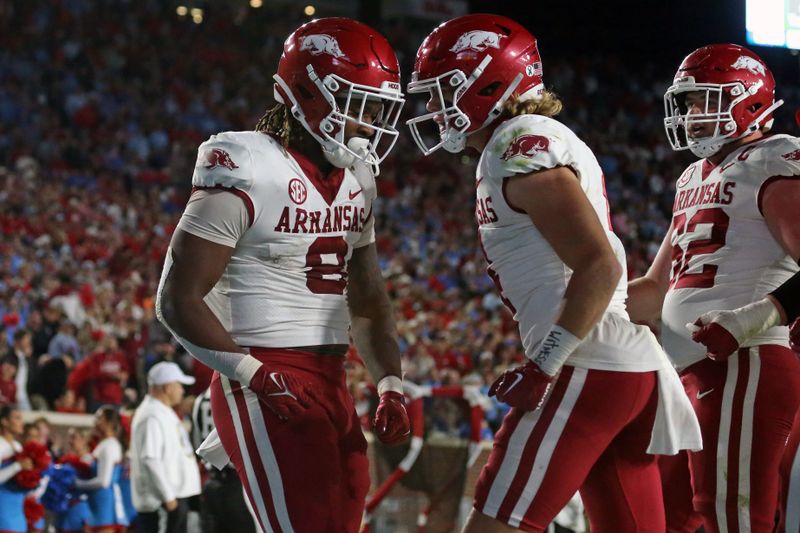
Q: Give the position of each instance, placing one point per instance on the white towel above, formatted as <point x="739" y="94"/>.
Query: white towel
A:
<point x="212" y="451"/>
<point x="676" y="427"/>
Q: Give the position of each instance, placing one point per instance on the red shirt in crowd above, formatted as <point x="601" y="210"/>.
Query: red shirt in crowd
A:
<point x="101" y="377"/>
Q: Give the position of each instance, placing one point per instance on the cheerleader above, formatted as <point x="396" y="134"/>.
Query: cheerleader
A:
<point x="105" y="498"/>
<point x="12" y="497"/>
<point x="78" y="516"/>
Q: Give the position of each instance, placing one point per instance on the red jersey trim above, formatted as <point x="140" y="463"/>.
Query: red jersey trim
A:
<point x="768" y="182"/>
<point x="327" y="186"/>
<point x="248" y="202"/>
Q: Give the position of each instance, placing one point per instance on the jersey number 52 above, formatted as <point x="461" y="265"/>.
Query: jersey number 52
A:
<point x="689" y="270"/>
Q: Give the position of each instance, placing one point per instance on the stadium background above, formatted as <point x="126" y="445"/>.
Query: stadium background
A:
<point x="103" y="104"/>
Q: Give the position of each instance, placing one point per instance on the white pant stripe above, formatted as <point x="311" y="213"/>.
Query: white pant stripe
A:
<point x="723" y="440"/>
<point x="548" y="445"/>
<point x="255" y="489"/>
<point x="793" y="498"/>
<point x="268" y="459"/>
<point x="508" y="468"/>
<point x="746" y="440"/>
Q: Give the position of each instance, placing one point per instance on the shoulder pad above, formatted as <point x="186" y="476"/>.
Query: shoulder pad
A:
<point x="224" y="160"/>
<point x="781" y="156"/>
<point x="525" y="144"/>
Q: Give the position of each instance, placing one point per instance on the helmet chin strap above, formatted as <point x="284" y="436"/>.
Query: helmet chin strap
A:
<point x="341" y="157"/>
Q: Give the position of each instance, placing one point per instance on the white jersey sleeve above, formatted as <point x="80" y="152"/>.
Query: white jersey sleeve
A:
<point x="215" y="215"/>
<point x="782" y="161"/>
<point x="528" y="143"/>
<point x="223" y="161"/>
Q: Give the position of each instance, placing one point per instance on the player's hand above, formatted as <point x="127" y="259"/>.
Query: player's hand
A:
<point x="713" y="329"/>
<point x="794" y="336"/>
<point x="391" y="422"/>
<point x="284" y="393"/>
<point x="523" y="387"/>
<point x="722" y="332"/>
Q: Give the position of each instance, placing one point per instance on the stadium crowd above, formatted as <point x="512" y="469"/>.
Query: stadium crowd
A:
<point x="100" y="117"/>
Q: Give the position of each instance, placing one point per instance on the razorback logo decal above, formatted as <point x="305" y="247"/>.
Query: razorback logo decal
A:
<point x="749" y="63"/>
<point x="526" y="146"/>
<point x="686" y="176"/>
<point x="792" y="156"/>
<point x="219" y="158"/>
<point x="477" y="40"/>
<point x="321" y="43"/>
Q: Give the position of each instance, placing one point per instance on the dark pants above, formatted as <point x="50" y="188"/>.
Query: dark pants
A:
<point x="161" y="521"/>
<point x="223" y="508"/>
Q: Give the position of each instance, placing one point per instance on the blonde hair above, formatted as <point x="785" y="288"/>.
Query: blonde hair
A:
<point x="280" y="123"/>
<point x="549" y="105"/>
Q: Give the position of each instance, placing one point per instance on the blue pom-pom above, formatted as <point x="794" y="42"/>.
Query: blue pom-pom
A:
<point x="59" y="488"/>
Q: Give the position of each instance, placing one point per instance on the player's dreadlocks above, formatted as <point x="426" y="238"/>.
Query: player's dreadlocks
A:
<point x="549" y="105"/>
<point x="279" y="123"/>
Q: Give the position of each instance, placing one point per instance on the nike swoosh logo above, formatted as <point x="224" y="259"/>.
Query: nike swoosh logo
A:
<point x="516" y="382"/>
<point x="701" y="395"/>
<point x="354" y="194"/>
<point x="280" y="382"/>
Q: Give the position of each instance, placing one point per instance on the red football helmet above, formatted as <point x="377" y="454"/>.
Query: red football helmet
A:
<point x="331" y="71"/>
<point x="739" y="93"/>
<point x="483" y="60"/>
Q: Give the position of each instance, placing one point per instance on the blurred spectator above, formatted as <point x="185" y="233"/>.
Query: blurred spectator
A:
<point x="100" y="378"/>
<point x="64" y="343"/>
<point x="8" y="385"/>
<point x="22" y="349"/>
<point x="68" y="402"/>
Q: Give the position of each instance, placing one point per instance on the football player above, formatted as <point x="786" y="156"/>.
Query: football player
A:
<point x="273" y="266"/>
<point x="589" y="405"/>
<point x="725" y="267"/>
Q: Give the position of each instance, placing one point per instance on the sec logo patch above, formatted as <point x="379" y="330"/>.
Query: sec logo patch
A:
<point x="297" y="191"/>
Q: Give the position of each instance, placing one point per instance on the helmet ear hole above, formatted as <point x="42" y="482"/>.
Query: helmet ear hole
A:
<point x="305" y="93"/>
<point x="489" y="90"/>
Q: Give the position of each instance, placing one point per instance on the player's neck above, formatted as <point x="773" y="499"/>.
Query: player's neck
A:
<point x="726" y="149"/>
<point x="479" y="139"/>
<point x="311" y="150"/>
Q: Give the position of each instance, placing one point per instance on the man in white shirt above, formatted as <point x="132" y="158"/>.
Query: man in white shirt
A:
<point x="163" y="467"/>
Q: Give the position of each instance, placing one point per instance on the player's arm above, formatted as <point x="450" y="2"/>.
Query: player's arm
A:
<point x="374" y="333"/>
<point x="722" y="332"/>
<point x="192" y="268"/>
<point x="646" y="294"/>
<point x="581" y="243"/>
<point x="197" y="265"/>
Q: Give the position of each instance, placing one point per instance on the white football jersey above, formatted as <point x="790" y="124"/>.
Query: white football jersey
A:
<point x="529" y="275"/>
<point x="723" y="254"/>
<point x="285" y="284"/>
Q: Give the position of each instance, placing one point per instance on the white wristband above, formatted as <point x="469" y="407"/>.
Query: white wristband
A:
<point x="390" y="383"/>
<point x="246" y="369"/>
<point x="758" y="317"/>
<point x="554" y="349"/>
